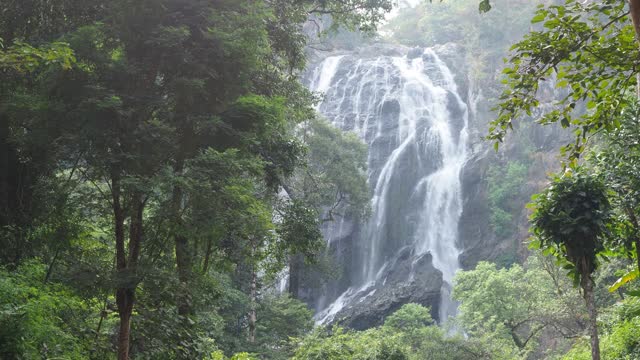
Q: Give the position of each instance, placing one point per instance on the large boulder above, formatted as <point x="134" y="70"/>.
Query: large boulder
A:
<point x="408" y="278"/>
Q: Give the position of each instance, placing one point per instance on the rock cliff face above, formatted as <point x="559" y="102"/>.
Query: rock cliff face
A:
<point x="531" y="144"/>
<point x="477" y="238"/>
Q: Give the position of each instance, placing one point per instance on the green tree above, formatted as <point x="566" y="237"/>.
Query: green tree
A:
<point x="341" y="344"/>
<point x="504" y="185"/>
<point x="281" y="317"/>
<point x="23" y="57"/>
<point x="332" y="184"/>
<point x="409" y="317"/>
<point x="569" y="220"/>
<point x="618" y="161"/>
<point x="43" y="321"/>
<point x="589" y="51"/>
<point x="408" y="333"/>
<point x="519" y="305"/>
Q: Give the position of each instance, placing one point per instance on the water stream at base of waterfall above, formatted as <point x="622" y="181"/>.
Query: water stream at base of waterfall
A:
<point x="420" y="91"/>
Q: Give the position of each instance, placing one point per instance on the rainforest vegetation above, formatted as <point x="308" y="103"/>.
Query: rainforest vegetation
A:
<point x="164" y="171"/>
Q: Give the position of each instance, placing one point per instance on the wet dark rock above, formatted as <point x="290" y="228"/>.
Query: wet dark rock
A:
<point x="415" y="52"/>
<point x="476" y="237"/>
<point x="407" y="279"/>
<point x="457" y="111"/>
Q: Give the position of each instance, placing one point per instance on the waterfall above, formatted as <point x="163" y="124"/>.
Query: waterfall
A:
<point x="408" y="110"/>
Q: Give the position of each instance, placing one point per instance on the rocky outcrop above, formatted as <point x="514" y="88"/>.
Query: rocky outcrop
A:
<point x="406" y="279"/>
<point x="476" y="236"/>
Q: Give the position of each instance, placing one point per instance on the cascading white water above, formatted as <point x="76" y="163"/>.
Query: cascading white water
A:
<point x="409" y="112"/>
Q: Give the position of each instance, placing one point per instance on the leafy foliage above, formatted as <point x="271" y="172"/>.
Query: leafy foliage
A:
<point x="23" y="57"/>
<point x="409" y="333"/>
<point x="334" y="180"/>
<point x="588" y="51"/>
<point x="485" y="36"/>
<point x="504" y="184"/>
<point x="518" y="306"/>
<point x="281" y="318"/>
<point x="43" y="320"/>
<point x="570" y="218"/>
<point x="620" y="335"/>
<point x="618" y="162"/>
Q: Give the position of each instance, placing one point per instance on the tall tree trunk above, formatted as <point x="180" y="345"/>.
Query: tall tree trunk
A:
<point x="183" y="253"/>
<point x="586" y="283"/>
<point x="636" y="231"/>
<point x="6" y="168"/>
<point x="51" y="265"/>
<point x="184" y="263"/>
<point x="634" y="13"/>
<point x="135" y="231"/>
<point x="182" y="246"/>
<point x="207" y="256"/>
<point x="126" y="264"/>
<point x="122" y="298"/>
<point x="253" y="297"/>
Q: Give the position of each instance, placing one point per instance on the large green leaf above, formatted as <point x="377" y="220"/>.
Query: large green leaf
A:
<point x="628" y="277"/>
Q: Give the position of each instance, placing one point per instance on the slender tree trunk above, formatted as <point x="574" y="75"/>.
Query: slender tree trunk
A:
<point x="135" y="231"/>
<point x="636" y="240"/>
<point x="51" y="265"/>
<point x="183" y="261"/>
<point x="587" y="286"/>
<point x="253" y="295"/>
<point x="207" y="256"/>
<point x="126" y="264"/>
<point x="183" y="253"/>
<point x="103" y="314"/>
<point x="634" y="13"/>
<point x="118" y="216"/>
<point x="183" y="247"/>
<point x="296" y="263"/>
<point x="122" y="299"/>
<point x="6" y="168"/>
<point x="636" y="230"/>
